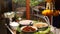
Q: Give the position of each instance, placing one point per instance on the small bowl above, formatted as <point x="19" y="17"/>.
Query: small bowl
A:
<point x="26" y="22"/>
<point x="41" y="26"/>
<point x="28" y="32"/>
<point x="14" y="25"/>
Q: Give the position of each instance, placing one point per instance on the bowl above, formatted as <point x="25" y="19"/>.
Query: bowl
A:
<point x="26" y="22"/>
<point x="9" y="14"/>
<point x="14" y="25"/>
<point x="28" y="29"/>
<point x="41" y="26"/>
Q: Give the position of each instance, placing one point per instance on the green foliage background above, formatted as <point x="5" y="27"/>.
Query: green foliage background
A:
<point x="32" y="2"/>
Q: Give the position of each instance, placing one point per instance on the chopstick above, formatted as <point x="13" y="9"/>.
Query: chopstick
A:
<point x="9" y="29"/>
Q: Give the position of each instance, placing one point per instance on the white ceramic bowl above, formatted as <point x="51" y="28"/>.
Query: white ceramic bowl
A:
<point x="14" y="25"/>
<point x="40" y="25"/>
<point x="26" y="22"/>
<point x="9" y="14"/>
<point x="29" y="26"/>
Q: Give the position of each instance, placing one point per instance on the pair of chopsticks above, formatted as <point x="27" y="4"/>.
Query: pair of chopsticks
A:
<point x="9" y="29"/>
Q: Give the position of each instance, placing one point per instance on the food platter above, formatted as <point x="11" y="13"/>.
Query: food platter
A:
<point x="19" y="32"/>
<point x="34" y="27"/>
<point x="46" y="31"/>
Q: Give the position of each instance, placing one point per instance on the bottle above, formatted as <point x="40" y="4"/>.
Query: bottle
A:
<point x="14" y="18"/>
<point x="56" y="19"/>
